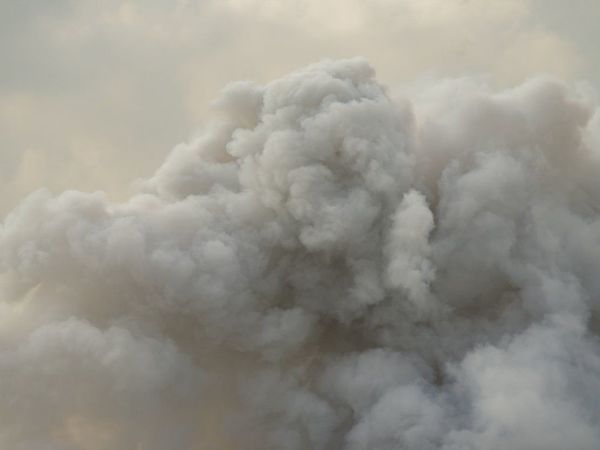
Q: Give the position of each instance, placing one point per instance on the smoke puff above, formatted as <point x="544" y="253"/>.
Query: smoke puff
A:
<point x="322" y="267"/>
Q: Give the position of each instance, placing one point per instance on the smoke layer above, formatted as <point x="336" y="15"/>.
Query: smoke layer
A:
<point x="322" y="268"/>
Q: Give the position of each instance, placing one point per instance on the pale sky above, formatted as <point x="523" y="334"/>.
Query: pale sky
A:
<point x="324" y="268"/>
<point x="94" y="94"/>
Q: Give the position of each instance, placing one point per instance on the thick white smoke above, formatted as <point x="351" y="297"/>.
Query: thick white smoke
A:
<point x="323" y="268"/>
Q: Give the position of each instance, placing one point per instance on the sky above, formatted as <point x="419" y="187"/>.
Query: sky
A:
<point x="94" y="94"/>
<point x="299" y="224"/>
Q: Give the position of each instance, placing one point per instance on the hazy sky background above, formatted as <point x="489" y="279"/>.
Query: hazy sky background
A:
<point x="94" y="94"/>
<point x="324" y="268"/>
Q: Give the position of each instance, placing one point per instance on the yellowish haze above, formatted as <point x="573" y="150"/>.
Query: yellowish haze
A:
<point x="94" y="94"/>
<point x="398" y="250"/>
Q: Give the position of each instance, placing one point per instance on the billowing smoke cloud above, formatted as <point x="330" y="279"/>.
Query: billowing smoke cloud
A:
<point x="322" y="268"/>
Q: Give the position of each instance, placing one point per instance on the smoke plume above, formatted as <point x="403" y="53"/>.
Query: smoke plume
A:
<point x="323" y="267"/>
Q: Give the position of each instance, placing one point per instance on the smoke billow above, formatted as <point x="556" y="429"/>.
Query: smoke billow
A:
<point x="322" y="268"/>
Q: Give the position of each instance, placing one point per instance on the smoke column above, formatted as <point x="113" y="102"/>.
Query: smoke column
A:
<point x="321" y="268"/>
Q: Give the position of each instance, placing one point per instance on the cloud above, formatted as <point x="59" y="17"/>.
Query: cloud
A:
<point x="321" y="267"/>
<point x="84" y="82"/>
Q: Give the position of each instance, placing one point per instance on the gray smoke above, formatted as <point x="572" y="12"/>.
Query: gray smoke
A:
<point x="322" y="268"/>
